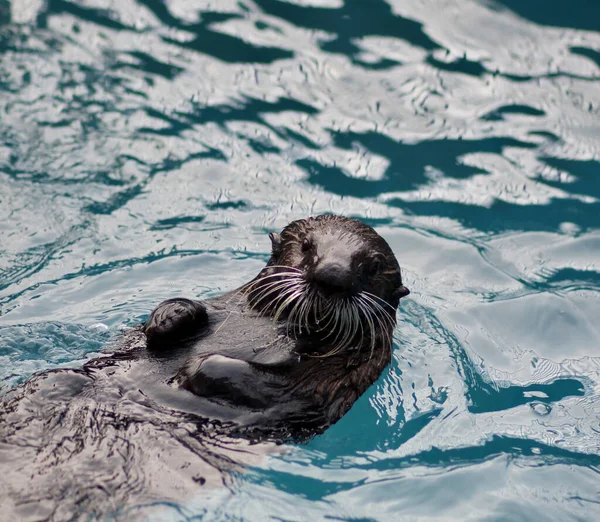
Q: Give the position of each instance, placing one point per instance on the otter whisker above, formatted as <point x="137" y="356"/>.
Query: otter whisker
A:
<point x="367" y="315"/>
<point x="319" y="308"/>
<point x="291" y="296"/>
<point x="287" y="267"/>
<point x="343" y="331"/>
<point x="259" y="282"/>
<point x="379" y="300"/>
<point x="367" y="296"/>
<point x="255" y="301"/>
<point x="388" y="346"/>
<point x="304" y="307"/>
<point x="356" y="322"/>
<point x="301" y="301"/>
<point x="338" y="321"/>
<point x="308" y="304"/>
<point x="289" y="283"/>
<point x="386" y="326"/>
<point x="330" y="315"/>
<point x="354" y="319"/>
<point x="291" y="272"/>
<point x="270" y="284"/>
<point x="281" y="290"/>
<point x="360" y="322"/>
<point x="359" y="317"/>
<point x="279" y="308"/>
<point x="379" y="311"/>
<point x="348" y="327"/>
<point x="240" y="292"/>
<point x="385" y="321"/>
<point x="295" y="273"/>
<point x="291" y="318"/>
<point x="335" y="316"/>
<point x="346" y="321"/>
<point x="249" y="291"/>
<point x="269" y="288"/>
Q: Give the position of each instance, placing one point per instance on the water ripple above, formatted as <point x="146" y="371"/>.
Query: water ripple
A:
<point x="148" y="147"/>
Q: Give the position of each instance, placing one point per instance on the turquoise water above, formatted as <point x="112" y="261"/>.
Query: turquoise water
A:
<point x="146" y="148"/>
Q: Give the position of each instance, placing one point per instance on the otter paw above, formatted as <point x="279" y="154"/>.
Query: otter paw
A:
<point x="175" y="319"/>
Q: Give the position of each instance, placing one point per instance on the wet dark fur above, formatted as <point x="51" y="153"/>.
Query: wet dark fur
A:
<point x="125" y="430"/>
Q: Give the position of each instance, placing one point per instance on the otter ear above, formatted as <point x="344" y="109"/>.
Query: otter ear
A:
<point x="275" y="242"/>
<point x="401" y="292"/>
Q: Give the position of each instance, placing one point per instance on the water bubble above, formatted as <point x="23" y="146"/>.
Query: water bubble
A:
<point x="99" y="326"/>
<point x="540" y="408"/>
<point x="569" y="229"/>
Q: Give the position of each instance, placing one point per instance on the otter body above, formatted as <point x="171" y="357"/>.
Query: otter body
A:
<point x="284" y="356"/>
<point x="295" y="347"/>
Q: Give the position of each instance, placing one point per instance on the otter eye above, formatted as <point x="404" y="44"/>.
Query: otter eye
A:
<point x="375" y="266"/>
<point x="306" y="244"/>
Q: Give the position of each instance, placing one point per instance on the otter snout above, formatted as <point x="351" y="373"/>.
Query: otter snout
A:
<point x="334" y="279"/>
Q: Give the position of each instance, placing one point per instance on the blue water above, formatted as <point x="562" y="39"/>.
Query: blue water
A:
<point x="146" y="148"/>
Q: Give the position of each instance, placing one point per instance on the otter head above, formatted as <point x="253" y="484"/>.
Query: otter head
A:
<point x="333" y="275"/>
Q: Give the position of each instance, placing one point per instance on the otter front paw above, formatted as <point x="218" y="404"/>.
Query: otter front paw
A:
<point x="175" y="319"/>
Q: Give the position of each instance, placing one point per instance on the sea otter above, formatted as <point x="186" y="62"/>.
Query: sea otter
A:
<point x="282" y="357"/>
<point x="295" y="347"/>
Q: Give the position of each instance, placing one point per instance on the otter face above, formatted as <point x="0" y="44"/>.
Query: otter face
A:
<point x="340" y="257"/>
<point x="330" y="272"/>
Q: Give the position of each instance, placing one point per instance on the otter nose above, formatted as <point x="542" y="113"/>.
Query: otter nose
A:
<point x="334" y="278"/>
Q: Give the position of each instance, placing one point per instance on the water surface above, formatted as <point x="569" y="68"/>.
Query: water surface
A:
<point x="147" y="147"/>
